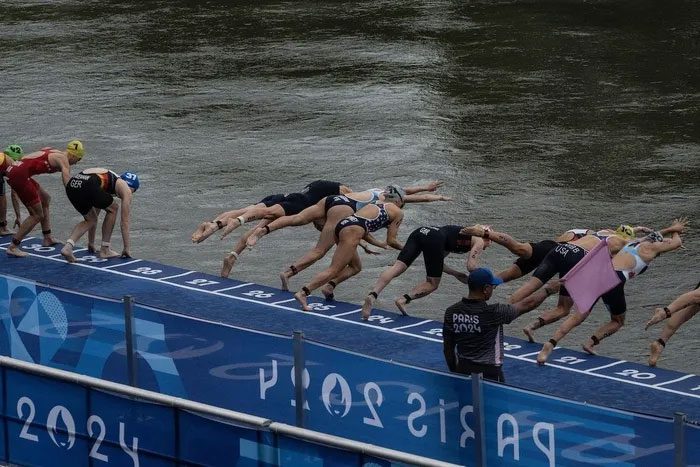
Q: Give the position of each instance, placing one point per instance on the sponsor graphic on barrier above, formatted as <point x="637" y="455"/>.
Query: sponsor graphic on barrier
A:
<point x="400" y="407"/>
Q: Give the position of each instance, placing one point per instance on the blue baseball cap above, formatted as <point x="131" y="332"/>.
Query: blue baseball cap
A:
<point x="482" y="277"/>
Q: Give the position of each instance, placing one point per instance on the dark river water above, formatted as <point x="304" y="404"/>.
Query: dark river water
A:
<point x="539" y="116"/>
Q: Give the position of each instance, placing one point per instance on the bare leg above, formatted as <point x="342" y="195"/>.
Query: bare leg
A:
<point x="510" y="274"/>
<point x="36" y="214"/>
<point x="255" y="213"/>
<point x="90" y="219"/>
<point x="421" y="290"/>
<point x="548" y="317"/>
<point x="230" y="259"/>
<point x="389" y="274"/>
<point x="46" y="220"/>
<point x="207" y="228"/>
<point x="606" y="330"/>
<point x="3" y="215"/>
<point x="346" y="249"/>
<point x="672" y="325"/>
<point x="572" y="321"/>
<point x="325" y="242"/>
<point x="350" y="270"/>
<point x="527" y="289"/>
<point x="107" y="227"/>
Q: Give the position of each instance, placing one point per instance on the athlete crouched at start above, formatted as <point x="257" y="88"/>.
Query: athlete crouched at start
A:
<point x="33" y="196"/>
<point x="92" y="190"/>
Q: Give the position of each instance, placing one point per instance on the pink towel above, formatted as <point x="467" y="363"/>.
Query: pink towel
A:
<point x="591" y="277"/>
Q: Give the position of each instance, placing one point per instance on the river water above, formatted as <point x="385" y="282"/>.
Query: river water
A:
<point x="539" y="117"/>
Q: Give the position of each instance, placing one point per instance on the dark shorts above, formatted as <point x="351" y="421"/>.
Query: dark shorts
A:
<point x="431" y="243"/>
<point x="294" y="203"/>
<point x="559" y="261"/>
<point x="340" y="200"/>
<point x="272" y="200"/>
<point x="614" y="300"/>
<point x="539" y="251"/>
<point x="347" y="222"/>
<point x="490" y="372"/>
<point x="2" y="185"/>
<point x="85" y="192"/>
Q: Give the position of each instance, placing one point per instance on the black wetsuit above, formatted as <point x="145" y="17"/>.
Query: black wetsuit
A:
<point x="87" y="191"/>
<point x="435" y="243"/>
<point x="312" y="193"/>
<point x="559" y="261"/>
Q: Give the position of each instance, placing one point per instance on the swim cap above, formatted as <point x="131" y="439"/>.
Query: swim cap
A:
<point x="394" y="193"/>
<point x="131" y="179"/>
<point x="14" y="151"/>
<point x="75" y="148"/>
<point x="625" y="231"/>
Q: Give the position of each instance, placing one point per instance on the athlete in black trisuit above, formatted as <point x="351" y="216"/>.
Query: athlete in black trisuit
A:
<point x="435" y="243"/>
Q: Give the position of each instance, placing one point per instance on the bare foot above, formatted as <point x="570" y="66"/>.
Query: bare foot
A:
<point x="67" y="253"/>
<point x="589" y="347"/>
<point x="252" y="240"/>
<point x="529" y="332"/>
<point x="107" y="253"/>
<point x="229" y="261"/>
<point x="5" y="231"/>
<point x="367" y="307"/>
<point x="206" y="232"/>
<point x="544" y="353"/>
<point x="301" y="298"/>
<point x="12" y="250"/>
<point x="656" y="350"/>
<point x="327" y="292"/>
<point x="49" y="241"/>
<point x="285" y="280"/>
<point x="401" y="305"/>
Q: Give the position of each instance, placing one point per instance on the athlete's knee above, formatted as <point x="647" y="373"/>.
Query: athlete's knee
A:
<point x="45" y="198"/>
<point x="618" y="319"/>
<point x="355" y="268"/>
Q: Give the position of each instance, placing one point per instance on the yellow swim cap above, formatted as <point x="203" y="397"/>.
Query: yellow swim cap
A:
<point x="75" y="148"/>
<point x="625" y="231"/>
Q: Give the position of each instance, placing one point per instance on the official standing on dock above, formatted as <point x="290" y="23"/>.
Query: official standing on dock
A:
<point x="472" y="330"/>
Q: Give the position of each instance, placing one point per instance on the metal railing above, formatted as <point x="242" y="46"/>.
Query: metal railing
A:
<point x="258" y="423"/>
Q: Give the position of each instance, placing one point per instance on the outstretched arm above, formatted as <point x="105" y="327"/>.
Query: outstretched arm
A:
<point x="475" y="253"/>
<point x="459" y="275"/>
<point x="431" y="186"/>
<point x="426" y="198"/>
<point x="392" y="230"/>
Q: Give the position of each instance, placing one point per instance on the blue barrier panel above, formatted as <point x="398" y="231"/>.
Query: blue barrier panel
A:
<point x="63" y="330"/>
<point x="544" y="430"/>
<point x="219" y="365"/>
<point x="208" y="441"/>
<point x="692" y="444"/>
<point x="134" y="432"/>
<point x="46" y="421"/>
<point x="394" y="406"/>
<point x="57" y="423"/>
